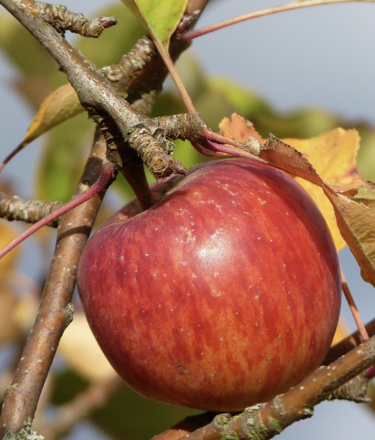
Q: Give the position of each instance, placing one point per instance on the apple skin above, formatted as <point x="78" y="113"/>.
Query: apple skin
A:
<point x="222" y="295"/>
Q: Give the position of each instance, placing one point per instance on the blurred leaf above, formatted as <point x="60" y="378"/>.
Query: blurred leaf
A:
<point x="167" y="103"/>
<point x="341" y="333"/>
<point x="67" y="384"/>
<point x="130" y="415"/>
<point x="159" y="18"/>
<point x="245" y="101"/>
<point x="60" y="105"/>
<point x="114" y="42"/>
<point x="371" y="395"/>
<point x="81" y="351"/>
<point x="127" y="415"/>
<point x="33" y="90"/>
<point x="23" y="49"/>
<point x="8" y="302"/>
<point x="192" y="75"/>
<point x="7" y="234"/>
<point x="213" y="106"/>
<point x="62" y="160"/>
<point x="366" y="155"/>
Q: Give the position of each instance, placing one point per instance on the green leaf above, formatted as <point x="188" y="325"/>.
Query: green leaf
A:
<point x="159" y="17"/>
<point x="114" y="42"/>
<point x="63" y="159"/>
<point x="24" y="50"/>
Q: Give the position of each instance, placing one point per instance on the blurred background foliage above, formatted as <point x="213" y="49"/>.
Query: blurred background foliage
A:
<point x="126" y="415"/>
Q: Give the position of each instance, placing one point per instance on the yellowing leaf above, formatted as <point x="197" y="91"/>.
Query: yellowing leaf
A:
<point x="160" y="18"/>
<point x="238" y="128"/>
<point x="356" y="221"/>
<point x="7" y="234"/>
<point x="59" y="106"/>
<point x="341" y="333"/>
<point x="333" y="155"/>
<point x="328" y="157"/>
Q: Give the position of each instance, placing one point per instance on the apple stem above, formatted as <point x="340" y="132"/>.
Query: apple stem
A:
<point x="105" y="179"/>
<point x="226" y="149"/>
<point x="208" y="153"/>
<point x="353" y="308"/>
<point x="215" y="137"/>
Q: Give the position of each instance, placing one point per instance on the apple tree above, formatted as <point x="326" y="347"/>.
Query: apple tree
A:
<point x="106" y="92"/>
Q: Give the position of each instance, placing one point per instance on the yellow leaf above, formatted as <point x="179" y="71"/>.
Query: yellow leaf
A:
<point x="81" y="351"/>
<point x="59" y="106"/>
<point x="341" y="333"/>
<point x="7" y="234"/>
<point x="333" y="155"/>
<point x="356" y="221"/>
<point x="330" y="157"/>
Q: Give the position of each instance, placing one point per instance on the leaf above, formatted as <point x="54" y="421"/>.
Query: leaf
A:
<point x="114" y="42"/>
<point x="7" y="234"/>
<point x="356" y="221"/>
<point x="160" y="18"/>
<point x="245" y="101"/>
<point x="62" y="160"/>
<point x="333" y="154"/>
<point x="236" y="127"/>
<point x="81" y="351"/>
<point x="24" y="50"/>
<point x="8" y="302"/>
<point x="60" y="105"/>
<point x="341" y="333"/>
<point x="328" y="157"/>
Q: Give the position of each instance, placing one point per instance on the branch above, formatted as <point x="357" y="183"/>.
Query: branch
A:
<point x="55" y="312"/>
<point x="106" y="107"/>
<point x="27" y="211"/>
<point x="355" y="387"/>
<point x="347" y="344"/>
<point x="269" y="419"/>
<point x="63" y="20"/>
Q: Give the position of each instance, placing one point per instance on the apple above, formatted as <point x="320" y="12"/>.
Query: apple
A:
<point x="223" y="294"/>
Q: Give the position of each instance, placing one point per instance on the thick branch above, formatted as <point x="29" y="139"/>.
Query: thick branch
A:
<point x="97" y="96"/>
<point x="55" y="312"/>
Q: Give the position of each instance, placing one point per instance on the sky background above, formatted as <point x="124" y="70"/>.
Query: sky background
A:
<point x="321" y="57"/>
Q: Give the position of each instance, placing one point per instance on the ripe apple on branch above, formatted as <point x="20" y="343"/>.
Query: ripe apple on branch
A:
<point x="223" y="294"/>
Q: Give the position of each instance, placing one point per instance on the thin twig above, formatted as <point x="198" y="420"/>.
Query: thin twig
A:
<point x="262" y="13"/>
<point x="353" y="308"/>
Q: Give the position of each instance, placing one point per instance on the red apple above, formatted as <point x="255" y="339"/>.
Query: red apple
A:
<point x="222" y="295"/>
